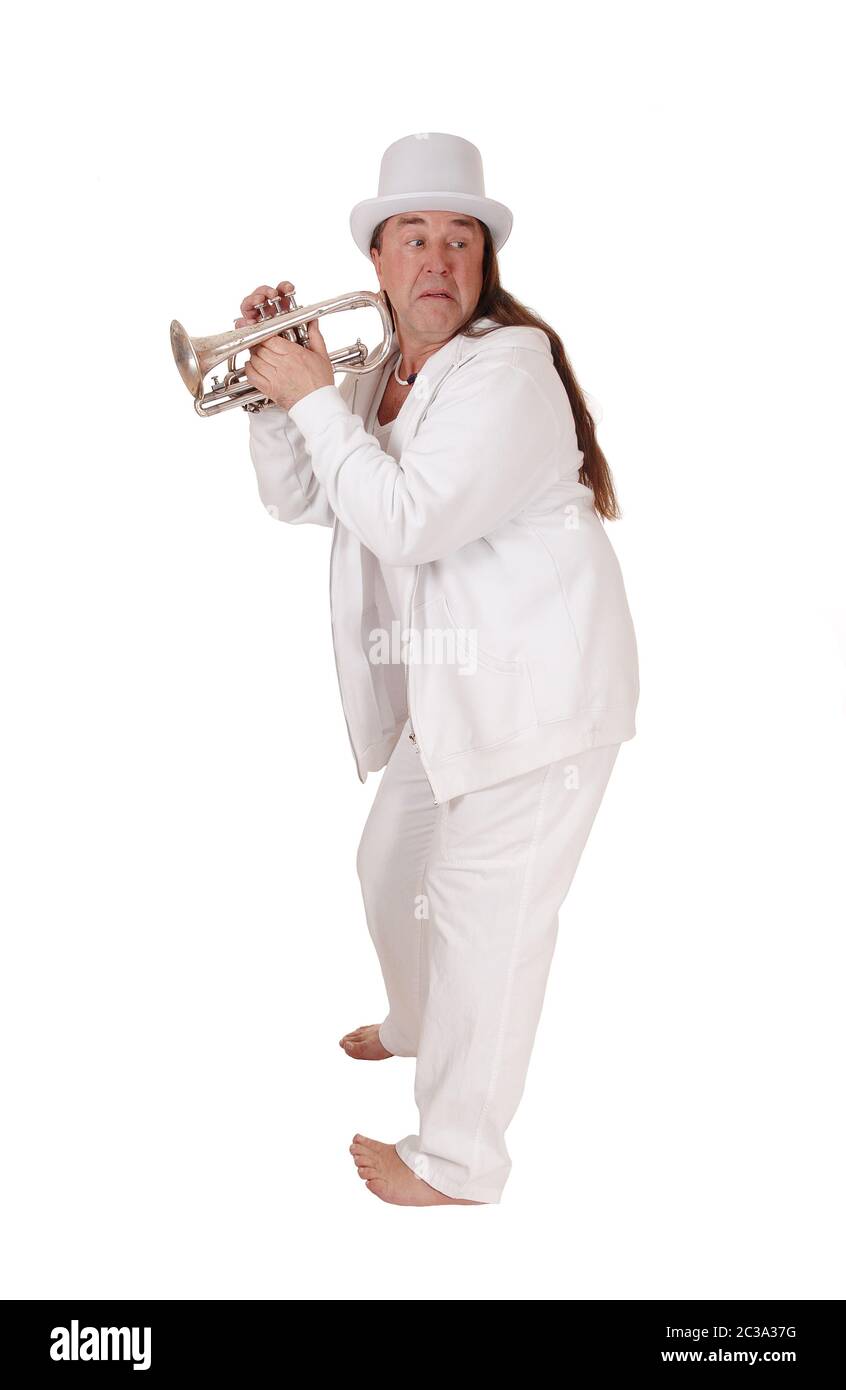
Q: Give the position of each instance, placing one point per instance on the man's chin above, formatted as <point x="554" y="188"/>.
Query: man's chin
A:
<point x="435" y="314"/>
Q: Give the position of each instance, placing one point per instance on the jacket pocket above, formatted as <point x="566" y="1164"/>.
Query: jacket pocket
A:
<point x="484" y="658"/>
<point x="464" y="697"/>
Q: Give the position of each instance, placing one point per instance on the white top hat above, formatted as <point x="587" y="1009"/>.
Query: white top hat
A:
<point x="430" y="172"/>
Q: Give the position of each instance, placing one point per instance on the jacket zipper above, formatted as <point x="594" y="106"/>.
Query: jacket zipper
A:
<point x="418" y="750"/>
<point x="413" y="736"/>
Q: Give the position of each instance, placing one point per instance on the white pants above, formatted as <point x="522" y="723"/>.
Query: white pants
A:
<point x="462" y="904"/>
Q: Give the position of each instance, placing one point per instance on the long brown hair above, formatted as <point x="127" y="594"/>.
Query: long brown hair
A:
<point x="496" y="303"/>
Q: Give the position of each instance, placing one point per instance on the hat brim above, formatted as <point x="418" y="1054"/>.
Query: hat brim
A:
<point x="368" y="214"/>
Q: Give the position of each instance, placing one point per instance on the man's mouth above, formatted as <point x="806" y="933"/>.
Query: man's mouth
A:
<point x="435" y="294"/>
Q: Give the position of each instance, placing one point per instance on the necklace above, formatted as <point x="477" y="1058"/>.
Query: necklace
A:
<point x="398" y="379"/>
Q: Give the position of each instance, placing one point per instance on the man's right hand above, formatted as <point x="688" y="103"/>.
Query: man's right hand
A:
<point x="249" y="306"/>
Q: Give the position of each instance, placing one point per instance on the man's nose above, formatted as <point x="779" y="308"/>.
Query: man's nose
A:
<point x="437" y="262"/>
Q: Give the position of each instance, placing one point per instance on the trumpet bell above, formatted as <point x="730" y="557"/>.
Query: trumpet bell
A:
<point x="186" y="359"/>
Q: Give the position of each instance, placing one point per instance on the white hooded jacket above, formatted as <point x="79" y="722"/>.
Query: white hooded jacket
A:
<point x="496" y="544"/>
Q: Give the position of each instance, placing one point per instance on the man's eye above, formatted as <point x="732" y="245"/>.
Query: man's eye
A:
<point x="457" y="242"/>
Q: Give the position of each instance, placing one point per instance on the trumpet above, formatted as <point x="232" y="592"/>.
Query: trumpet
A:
<point x="195" y="357"/>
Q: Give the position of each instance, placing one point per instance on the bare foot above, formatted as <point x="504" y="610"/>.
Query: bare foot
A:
<point x="364" y="1044"/>
<point x="385" y="1174"/>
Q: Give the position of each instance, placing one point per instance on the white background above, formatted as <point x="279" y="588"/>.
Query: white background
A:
<point x="183" y="935"/>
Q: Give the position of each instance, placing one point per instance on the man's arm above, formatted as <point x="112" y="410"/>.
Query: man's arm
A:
<point x="286" y="481"/>
<point x="487" y="447"/>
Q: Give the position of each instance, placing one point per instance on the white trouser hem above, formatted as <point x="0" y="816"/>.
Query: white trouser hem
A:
<point x="424" y="1167"/>
<point x="391" y="1042"/>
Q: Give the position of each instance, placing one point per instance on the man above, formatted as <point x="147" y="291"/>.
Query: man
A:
<point x="466" y="492"/>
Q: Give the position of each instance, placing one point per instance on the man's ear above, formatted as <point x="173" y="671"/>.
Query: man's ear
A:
<point x="376" y="258"/>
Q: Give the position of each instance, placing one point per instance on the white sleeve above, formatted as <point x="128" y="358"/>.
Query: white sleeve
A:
<point x="286" y="481"/>
<point x="487" y="445"/>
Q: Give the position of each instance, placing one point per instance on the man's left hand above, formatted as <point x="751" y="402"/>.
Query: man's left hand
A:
<point x="285" y="371"/>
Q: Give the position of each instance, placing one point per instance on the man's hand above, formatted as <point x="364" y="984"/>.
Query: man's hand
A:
<point x="285" y="371"/>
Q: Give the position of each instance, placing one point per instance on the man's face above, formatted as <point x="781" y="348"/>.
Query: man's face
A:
<point x="431" y="267"/>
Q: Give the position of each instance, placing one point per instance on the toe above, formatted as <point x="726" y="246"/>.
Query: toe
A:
<point x="364" y="1145"/>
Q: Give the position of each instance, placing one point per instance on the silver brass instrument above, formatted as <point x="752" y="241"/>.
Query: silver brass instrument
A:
<point x="195" y="357"/>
